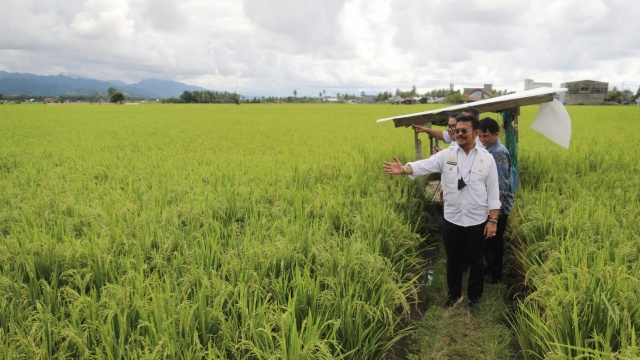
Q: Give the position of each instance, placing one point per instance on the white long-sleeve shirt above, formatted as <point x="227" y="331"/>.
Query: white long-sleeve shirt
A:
<point x="470" y="205"/>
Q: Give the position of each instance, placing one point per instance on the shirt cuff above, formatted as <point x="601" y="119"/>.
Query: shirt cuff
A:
<point x="413" y="169"/>
<point x="495" y="205"/>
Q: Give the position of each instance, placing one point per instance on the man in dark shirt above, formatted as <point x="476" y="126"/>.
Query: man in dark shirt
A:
<point x="494" y="249"/>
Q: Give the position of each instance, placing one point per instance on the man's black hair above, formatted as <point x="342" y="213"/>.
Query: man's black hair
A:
<point x="472" y="110"/>
<point x="490" y="125"/>
<point x="475" y="123"/>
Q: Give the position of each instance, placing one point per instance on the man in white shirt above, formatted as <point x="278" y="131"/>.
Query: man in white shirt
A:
<point x="470" y="189"/>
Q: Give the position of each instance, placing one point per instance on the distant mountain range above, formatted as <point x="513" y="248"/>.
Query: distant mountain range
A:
<point x="63" y="85"/>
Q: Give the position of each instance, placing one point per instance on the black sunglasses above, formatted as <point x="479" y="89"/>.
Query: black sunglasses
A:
<point x="461" y="130"/>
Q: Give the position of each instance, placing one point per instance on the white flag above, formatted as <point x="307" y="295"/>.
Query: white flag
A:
<point x="553" y="121"/>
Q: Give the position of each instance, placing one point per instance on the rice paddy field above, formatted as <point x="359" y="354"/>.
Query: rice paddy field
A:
<point x="271" y="232"/>
<point x="577" y="226"/>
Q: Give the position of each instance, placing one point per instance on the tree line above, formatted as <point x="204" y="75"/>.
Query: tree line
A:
<point x="205" y="97"/>
<point x="621" y="96"/>
<point x="449" y="96"/>
<point x="215" y="97"/>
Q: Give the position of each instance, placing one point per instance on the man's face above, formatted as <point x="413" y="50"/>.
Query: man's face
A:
<point x="487" y="138"/>
<point x="464" y="133"/>
<point x="451" y="127"/>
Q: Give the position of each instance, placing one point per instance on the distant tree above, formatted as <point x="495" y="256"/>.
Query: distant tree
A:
<point x="383" y="96"/>
<point x="187" y="96"/>
<point x="116" y="97"/>
<point x="210" y="97"/>
<point x="407" y="94"/>
<point x="618" y="96"/>
<point x="111" y="91"/>
<point x="637" y="93"/>
<point x="1" y="95"/>
<point x="295" y="93"/>
<point x="495" y="92"/>
<point x="438" y="93"/>
<point x="453" y="98"/>
<point x="612" y="94"/>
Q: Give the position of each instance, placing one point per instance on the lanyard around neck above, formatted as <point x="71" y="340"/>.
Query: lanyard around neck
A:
<point x="461" y="181"/>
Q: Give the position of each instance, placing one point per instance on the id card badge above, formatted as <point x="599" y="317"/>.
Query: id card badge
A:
<point x="461" y="184"/>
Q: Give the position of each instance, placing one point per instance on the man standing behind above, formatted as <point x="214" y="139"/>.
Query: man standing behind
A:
<point x="494" y="250"/>
<point x="448" y="137"/>
<point x="470" y="183"/>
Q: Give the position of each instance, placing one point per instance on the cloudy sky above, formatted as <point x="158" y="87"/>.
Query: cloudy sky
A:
<point x="273" y="47"/>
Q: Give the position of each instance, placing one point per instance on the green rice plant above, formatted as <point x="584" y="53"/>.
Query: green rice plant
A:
<point x="576" y="226"/>
<point x="195" y="232"/>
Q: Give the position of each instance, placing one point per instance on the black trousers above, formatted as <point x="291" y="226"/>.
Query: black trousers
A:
<point x="464" y="245"/>
<point x="494" y="250"/>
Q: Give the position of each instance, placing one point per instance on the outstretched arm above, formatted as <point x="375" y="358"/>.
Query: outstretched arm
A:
<point x="438" y="134"/>
<point x="396" y="168"/>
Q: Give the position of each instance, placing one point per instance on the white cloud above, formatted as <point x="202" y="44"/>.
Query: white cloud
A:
<point x="101" y="19"/>
<point x="298" y="26"/>
<point x="275" y="47"/>
<point x="163" y="15"/>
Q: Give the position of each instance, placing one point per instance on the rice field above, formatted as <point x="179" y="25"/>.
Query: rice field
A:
<point x="186" y="232"/>
<point x="271" y="232"/>
<point x="577" y="224"/>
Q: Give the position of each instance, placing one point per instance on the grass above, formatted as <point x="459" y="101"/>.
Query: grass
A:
<point x="574" y="247"/>
<point x="458" y="333"/>
<point x="577" y="240"/>
<point x="270" y="231"/>
<point x="202" y="232"/>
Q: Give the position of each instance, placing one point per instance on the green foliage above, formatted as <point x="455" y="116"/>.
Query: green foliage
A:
<point x="501" y="92"/>
<point x="453" y="98"/>
<point x="232" y="232"/>
<point x="438" y="93"/>
<point x="618" y="96"/>
<point x="383" y="96"/>
<point x="116" y="97"/>
<point x="204" y="231"/>
<point x="456" y="333"/>
<point x="576" y="223"/>
<point x="407" y="94"/>
<point x="207" y="97"/>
